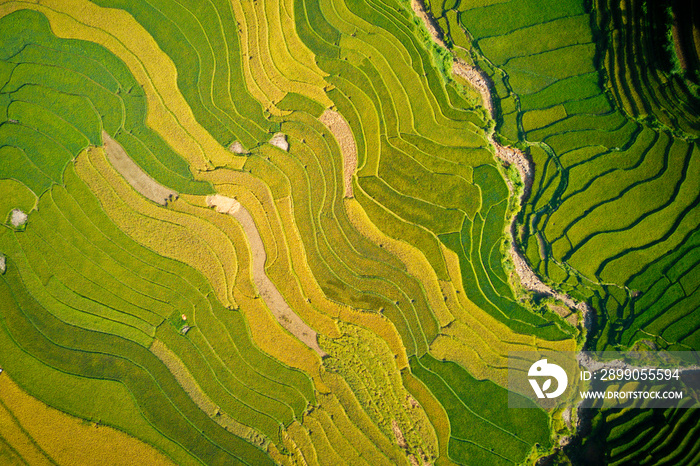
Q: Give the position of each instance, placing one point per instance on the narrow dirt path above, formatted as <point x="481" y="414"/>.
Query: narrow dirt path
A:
<point x="267" y="290"/>
<point x="511" y="156"/>
<point x="134" y="175"/>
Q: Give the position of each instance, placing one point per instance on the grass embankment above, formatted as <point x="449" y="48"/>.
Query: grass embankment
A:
<point x="613" y="214"/>
<point x="434" y="282"/>
<point x="591" y="205"/>
<point x="40" y="434"/>
<point x="305" y="162"/>
<point x="59" y="98"/>
<point x="114" y="299"/>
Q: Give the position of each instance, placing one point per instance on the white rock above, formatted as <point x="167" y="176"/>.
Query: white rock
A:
<point x="2" y="264"/>
<point x="18" y="218"/>
<point x="280" y="140"/>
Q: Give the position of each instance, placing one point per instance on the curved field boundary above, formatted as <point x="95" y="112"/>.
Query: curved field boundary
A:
<point x="317" y="184"/>
<point x="371" y="372"/>
<point x="268" y="291"/>
<point x="358" y="416"/>
<point x="230" y="265"/>
<point x="611" y="193"/>
<point x="251" y="379"/>
<point x="290" y="225"/>
<point x="637" y="65"/>
<point x="395" y="171"/>
<point x="416" y="264"/>
<point x="229" y="183"/>
<point x="487" y="341"/>
<point x="275" y="61"/>
<point x="510" y="155"/>
<point x="168" y="112"/>
<point x="44" y="435"/>
<point x="435" y="412"/>
<point x="189" y="384"/>
<point x="613" y="214"/>
<point x="265" y="330"/>
<point x="340" y="129"/>
<point x="63" y="93"/>
<point x="479" y="342"/>
<point x="481" y="432"/>
<point x="274" y="156"/>
<point x="317" y="261"/>
<point x="214" y="333"/>
<point x="200" y="41"/>
<point x="133" y="174"/>
<point x="79" y="352"/>
<point x="646" y="436"/>
<point x="214" y="256"/>
<point x="326" y="239"/>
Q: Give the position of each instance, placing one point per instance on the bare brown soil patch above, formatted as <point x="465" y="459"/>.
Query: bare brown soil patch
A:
<point x="531" y="281"/>
<point x="280" y="140"/>
<point x="342" y="133"/>
<point x="237" y="148"/>
<point x="477" y="80"/>
<point x="419" y="10"/>
<point x="400" y="439"/>
<point x="511" y="156"/>
<point x="267" y="290"/>
<point x="134" y="175"/>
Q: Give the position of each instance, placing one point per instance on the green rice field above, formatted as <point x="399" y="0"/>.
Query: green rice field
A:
<point x="361" y="194"/>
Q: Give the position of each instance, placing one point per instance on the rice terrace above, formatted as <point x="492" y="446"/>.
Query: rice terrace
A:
<point x="316" y="232"/>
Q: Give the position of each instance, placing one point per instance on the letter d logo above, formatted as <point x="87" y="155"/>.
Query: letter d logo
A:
<point x="543" y="369"/>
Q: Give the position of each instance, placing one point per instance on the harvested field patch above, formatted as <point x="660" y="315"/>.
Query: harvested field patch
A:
<point x="279" y="140"/>
<point x="133" y="174"/>
<point x="286" y="317"/>
<point x="15" y="195"/>
<point x="340" y="129"/>
<point x="237" y="148"/>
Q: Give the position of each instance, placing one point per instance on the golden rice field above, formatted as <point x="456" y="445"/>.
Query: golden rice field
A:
<point x="282" y="231"/>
